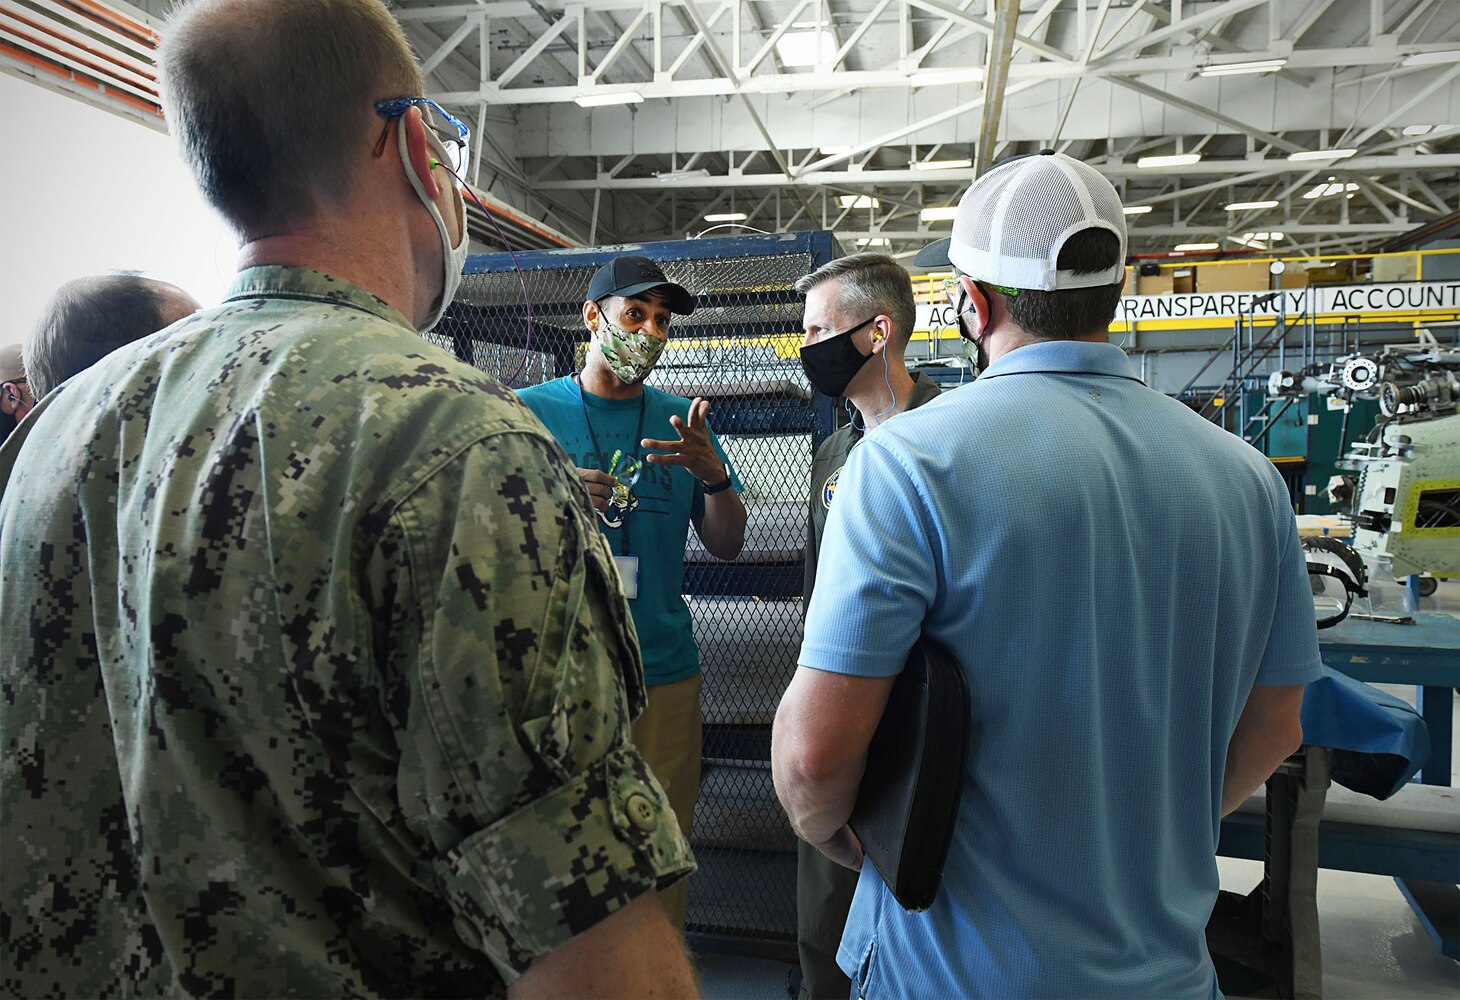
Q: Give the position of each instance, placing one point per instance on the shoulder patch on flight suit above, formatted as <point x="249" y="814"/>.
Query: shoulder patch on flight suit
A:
<point x="828" y="488"/>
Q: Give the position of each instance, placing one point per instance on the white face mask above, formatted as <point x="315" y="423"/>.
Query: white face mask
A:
<point x="453" y="259"/>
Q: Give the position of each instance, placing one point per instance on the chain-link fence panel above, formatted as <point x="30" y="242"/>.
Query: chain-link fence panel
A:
<point x="523" y="324"/>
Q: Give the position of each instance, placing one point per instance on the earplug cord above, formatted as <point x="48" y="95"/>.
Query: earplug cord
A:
<point x="886" y="380"/>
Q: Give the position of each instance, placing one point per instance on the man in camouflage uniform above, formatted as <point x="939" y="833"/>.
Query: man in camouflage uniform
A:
<point x="317" y="679"/>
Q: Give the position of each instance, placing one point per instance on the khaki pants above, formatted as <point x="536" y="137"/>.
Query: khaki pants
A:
<point x="670" y="735"/>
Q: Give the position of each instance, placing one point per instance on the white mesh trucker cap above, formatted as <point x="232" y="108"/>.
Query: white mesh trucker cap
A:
<point x="1014" y="220"/>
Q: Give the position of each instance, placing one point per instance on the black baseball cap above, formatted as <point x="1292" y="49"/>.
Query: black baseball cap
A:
<point x="935" y="254"/>
<point x="628" y="276"/>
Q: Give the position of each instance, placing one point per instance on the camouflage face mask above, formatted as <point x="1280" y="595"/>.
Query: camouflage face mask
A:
<point x="631" y="356"/>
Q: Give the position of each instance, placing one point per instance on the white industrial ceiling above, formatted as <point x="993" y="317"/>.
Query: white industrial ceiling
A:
<point x="729" y="121"/>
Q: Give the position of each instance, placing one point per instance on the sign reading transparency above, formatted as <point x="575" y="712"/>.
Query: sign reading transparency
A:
<point x="1348" y="300"/>
<point x="1404" y="297"/>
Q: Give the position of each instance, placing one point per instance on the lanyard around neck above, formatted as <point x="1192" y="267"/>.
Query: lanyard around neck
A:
<point x="598" y="449"/>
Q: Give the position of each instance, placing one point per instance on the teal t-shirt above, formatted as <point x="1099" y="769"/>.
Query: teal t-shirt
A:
<point x="651" y="518"/>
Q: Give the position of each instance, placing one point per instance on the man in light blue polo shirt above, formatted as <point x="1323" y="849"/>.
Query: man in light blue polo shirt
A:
<point x="1122" y="583"/>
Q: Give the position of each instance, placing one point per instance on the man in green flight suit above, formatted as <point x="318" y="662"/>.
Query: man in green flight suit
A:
<point x="858" y="309"/>
<point x="318" y="674"/>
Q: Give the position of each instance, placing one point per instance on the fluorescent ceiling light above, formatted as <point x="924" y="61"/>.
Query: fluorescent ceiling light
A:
<point x="1322" y="154"/>
<point x="806" y="48"/>
<point x="932" y="77"/>
<point x="1432" y="58"/>
<point x="858" y="201"/>
<point x="1418" y="129"/>
<point x="942" y="164"/>
<point x="874" y="241"/>
<point x="1243" y="68"/>
<point x="1136" y="209"/>
<point x="939" y="214"/>
<point x="682" y="175"/>
<point x="1256" y="241"/>
<point x="726" y="217"/>
<point x="1196" y="247"/>
<point x="1169" y="160"/>
<point x="1326" y="190"/>
<point x="1248" y="206"/>
<point x="603" y="100"/>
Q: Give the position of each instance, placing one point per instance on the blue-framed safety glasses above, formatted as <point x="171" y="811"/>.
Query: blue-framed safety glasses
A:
<point x="454" y="136"/>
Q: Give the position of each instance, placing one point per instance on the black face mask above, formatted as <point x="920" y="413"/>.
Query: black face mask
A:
<point x="965" y="330"/>
<point x="831" y="364"/>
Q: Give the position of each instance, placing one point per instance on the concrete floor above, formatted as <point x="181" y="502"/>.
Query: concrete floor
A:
<point x="1373" y="946"/>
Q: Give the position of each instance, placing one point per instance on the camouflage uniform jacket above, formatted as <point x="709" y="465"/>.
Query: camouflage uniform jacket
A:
<point x="316" y="675"/>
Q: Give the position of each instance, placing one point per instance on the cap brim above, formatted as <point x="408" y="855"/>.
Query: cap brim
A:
<point x="680" y="299"/>
<point x="935" y="254"/>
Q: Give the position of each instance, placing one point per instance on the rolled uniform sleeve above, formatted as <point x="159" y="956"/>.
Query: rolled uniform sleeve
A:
<point x="538" y="816"/>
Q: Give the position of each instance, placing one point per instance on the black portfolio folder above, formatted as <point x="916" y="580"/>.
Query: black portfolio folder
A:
<point x="908" y="801"/>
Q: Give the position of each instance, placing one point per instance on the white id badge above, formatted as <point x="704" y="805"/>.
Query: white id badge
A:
<point x="628" y="574"/>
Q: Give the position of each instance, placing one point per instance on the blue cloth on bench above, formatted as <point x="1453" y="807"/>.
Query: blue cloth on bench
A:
<point x="1379" y="741"/>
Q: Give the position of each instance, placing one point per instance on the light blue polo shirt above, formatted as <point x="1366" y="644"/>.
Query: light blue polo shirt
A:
<point x="653" y="519"/>
<point x="1114" y="573"/>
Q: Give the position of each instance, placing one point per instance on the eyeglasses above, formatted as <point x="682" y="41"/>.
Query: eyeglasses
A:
<point x="455" y="142"/>
<point x="952" y="284"/>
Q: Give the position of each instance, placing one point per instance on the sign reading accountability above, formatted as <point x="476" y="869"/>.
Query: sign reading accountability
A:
<point x="1360" y="300"/>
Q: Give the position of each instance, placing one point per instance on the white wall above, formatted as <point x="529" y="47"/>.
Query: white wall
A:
<point x="87" y="191"/>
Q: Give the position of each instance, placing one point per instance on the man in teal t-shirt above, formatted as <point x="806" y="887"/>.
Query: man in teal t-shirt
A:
<point x="652" y="467"/>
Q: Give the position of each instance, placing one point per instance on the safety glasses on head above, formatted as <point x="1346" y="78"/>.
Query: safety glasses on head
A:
<point x="454" y="137"/>
<point x="957" y="297"/>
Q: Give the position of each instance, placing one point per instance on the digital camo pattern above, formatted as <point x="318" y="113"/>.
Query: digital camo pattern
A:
<point x="316" y="676"/>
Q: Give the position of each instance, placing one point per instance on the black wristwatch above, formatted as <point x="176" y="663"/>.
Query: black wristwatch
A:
<point x="712" y="488"/>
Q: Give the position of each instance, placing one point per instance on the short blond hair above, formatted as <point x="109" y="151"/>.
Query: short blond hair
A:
<point x="270" y="100"/>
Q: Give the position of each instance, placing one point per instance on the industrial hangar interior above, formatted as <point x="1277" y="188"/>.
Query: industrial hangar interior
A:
<point x="1289" y="172"/>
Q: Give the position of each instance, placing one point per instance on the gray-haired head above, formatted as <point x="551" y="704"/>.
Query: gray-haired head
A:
<point x="88" y="318"/>
<point x="871" y="283"/>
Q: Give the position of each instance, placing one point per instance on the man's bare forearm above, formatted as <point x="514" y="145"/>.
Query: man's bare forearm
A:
<point x="817" y="803"/>
<point x="1268" y="731"/>
<point x="633" y="953"/>
<point x="722" y="528"/>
